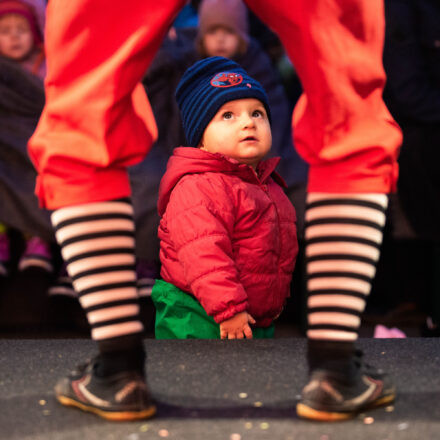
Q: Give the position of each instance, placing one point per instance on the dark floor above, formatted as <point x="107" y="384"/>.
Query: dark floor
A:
<point x="218" y="390"/>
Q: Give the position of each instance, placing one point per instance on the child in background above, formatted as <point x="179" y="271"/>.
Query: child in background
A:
<point x="223" y="29"/>
<point x="21" y="42"/>
<point x="227" y="230"/>
<point x="21" y="37"/>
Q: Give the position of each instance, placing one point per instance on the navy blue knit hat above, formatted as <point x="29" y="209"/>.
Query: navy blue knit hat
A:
<point x="206" y="86"/>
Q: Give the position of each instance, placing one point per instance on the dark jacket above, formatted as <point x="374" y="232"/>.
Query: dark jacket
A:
<point x="227" y="235"/>
<point x="21" y="103"/>
<point x="412" y="93"/>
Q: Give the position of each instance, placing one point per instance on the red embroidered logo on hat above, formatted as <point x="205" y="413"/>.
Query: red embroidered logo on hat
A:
<point x="226" y="79"/>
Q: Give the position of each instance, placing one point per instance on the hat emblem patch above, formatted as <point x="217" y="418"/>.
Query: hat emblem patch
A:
<point x="226" y="79"/>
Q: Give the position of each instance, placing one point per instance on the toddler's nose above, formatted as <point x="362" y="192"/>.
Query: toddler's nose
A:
<point x="247" y="119"/>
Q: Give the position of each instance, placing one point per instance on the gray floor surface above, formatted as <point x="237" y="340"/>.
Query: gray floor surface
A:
<point x="218" y="390"/>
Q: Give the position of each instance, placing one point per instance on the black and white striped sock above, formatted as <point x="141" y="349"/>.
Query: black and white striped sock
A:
<point x="97" y="244"/>
<point x="343" y="238"/>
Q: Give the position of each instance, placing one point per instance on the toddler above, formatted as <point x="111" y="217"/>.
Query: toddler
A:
<point x="227" y="232"/>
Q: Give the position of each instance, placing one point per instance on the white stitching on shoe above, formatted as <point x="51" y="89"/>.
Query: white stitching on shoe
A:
<point x="131" y="386"/>
<point x="88" y="395"/>
<point x="327" y="387"/>
<point x="372" y="386"/>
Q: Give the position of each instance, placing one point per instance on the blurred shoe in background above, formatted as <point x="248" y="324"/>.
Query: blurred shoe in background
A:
<point x="37" y="254"/>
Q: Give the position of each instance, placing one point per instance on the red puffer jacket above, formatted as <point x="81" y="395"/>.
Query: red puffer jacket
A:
<point x="227" y="235"/>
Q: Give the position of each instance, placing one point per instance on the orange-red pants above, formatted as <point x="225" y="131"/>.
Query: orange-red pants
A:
<point x="97" y="120"/>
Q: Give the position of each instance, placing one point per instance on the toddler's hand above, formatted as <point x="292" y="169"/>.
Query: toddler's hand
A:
<point x="237" y="327"/>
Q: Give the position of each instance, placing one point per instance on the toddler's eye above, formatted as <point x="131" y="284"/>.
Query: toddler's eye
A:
<point x="257" y="114"/>
<point x="227" y="115"/>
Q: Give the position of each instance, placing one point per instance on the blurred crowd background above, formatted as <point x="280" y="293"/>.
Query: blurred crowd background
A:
<point x="36" y="294"/>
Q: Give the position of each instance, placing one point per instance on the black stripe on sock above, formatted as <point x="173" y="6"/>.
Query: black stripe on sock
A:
<point x="346" y="202"/>
<point x="95" y="235"/>
<point x="335" y="274"/>
<point x="116" y="303"/>
<point x="100" y="253"/>
<point x="325" y="257"/>
<point x="343" y="328"/>
<point x="346" y="292"/>
<point x="90" y="218"/>
<point x="335" y="309"/>
<point x="343" y="239"/>
<point x="116" y="268"/>
<point x="131" y="318"/>
<point x="344" y="221"/>
<point x="111" y="286"/>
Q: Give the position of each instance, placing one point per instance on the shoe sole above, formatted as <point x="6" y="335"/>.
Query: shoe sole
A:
<point x="115" y="416"/>
<point x="306" y="412"/>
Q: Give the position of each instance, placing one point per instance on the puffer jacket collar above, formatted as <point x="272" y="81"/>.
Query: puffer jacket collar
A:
<point x="189" y="160"/>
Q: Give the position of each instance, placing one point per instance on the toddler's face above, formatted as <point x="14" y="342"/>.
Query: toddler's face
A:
<point x="221" y="42"/>
<point x="16" y="39"/>
<point x="240" y="130"/>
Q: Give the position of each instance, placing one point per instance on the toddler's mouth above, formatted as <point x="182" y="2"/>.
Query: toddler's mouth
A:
<point x="249" y="138"/>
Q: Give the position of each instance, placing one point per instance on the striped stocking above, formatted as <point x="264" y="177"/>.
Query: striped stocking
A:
<point x="97" y="244"/>
<point x="343" y="238"/>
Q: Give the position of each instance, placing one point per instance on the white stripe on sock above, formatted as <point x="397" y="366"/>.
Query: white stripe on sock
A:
<point x="115" y="330"/>
<point x="335" y="318"/>
<point x="344" y="230"/>
<point x="339" y="283"/>
<point x="331" y="335"/>
<point x="93" y="299"/>
<point x="341" y="265"/>
<point x="100" y="279"/>
<point x="96" y="226"/>
<point x="87" y="209"/>
<point x="97" y="244"/>
<point x="362" y="250"/>
<point x="344" y="211"/>
<point x="110" y="313"/>
<point x="335" y="300"/>
<point x="100" y="262"/>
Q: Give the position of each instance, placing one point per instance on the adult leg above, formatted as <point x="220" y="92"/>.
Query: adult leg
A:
<point x="96" y="122"/>
<point x="344" y="131"/>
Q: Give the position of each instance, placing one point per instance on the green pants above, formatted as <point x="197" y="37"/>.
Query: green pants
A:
<point x="180" y="316"/>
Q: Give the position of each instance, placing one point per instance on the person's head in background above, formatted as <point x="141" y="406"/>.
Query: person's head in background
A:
<point x="223" y="28"/>
<point x="233" y="114"/>
<point x="20" y="36"/>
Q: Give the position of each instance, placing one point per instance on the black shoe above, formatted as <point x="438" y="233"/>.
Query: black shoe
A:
<point x="329" y="396"/>
<point x="121" y="397"/>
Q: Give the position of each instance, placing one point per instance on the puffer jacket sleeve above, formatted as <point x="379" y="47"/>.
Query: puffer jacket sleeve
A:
<point x="201" y="231"/>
